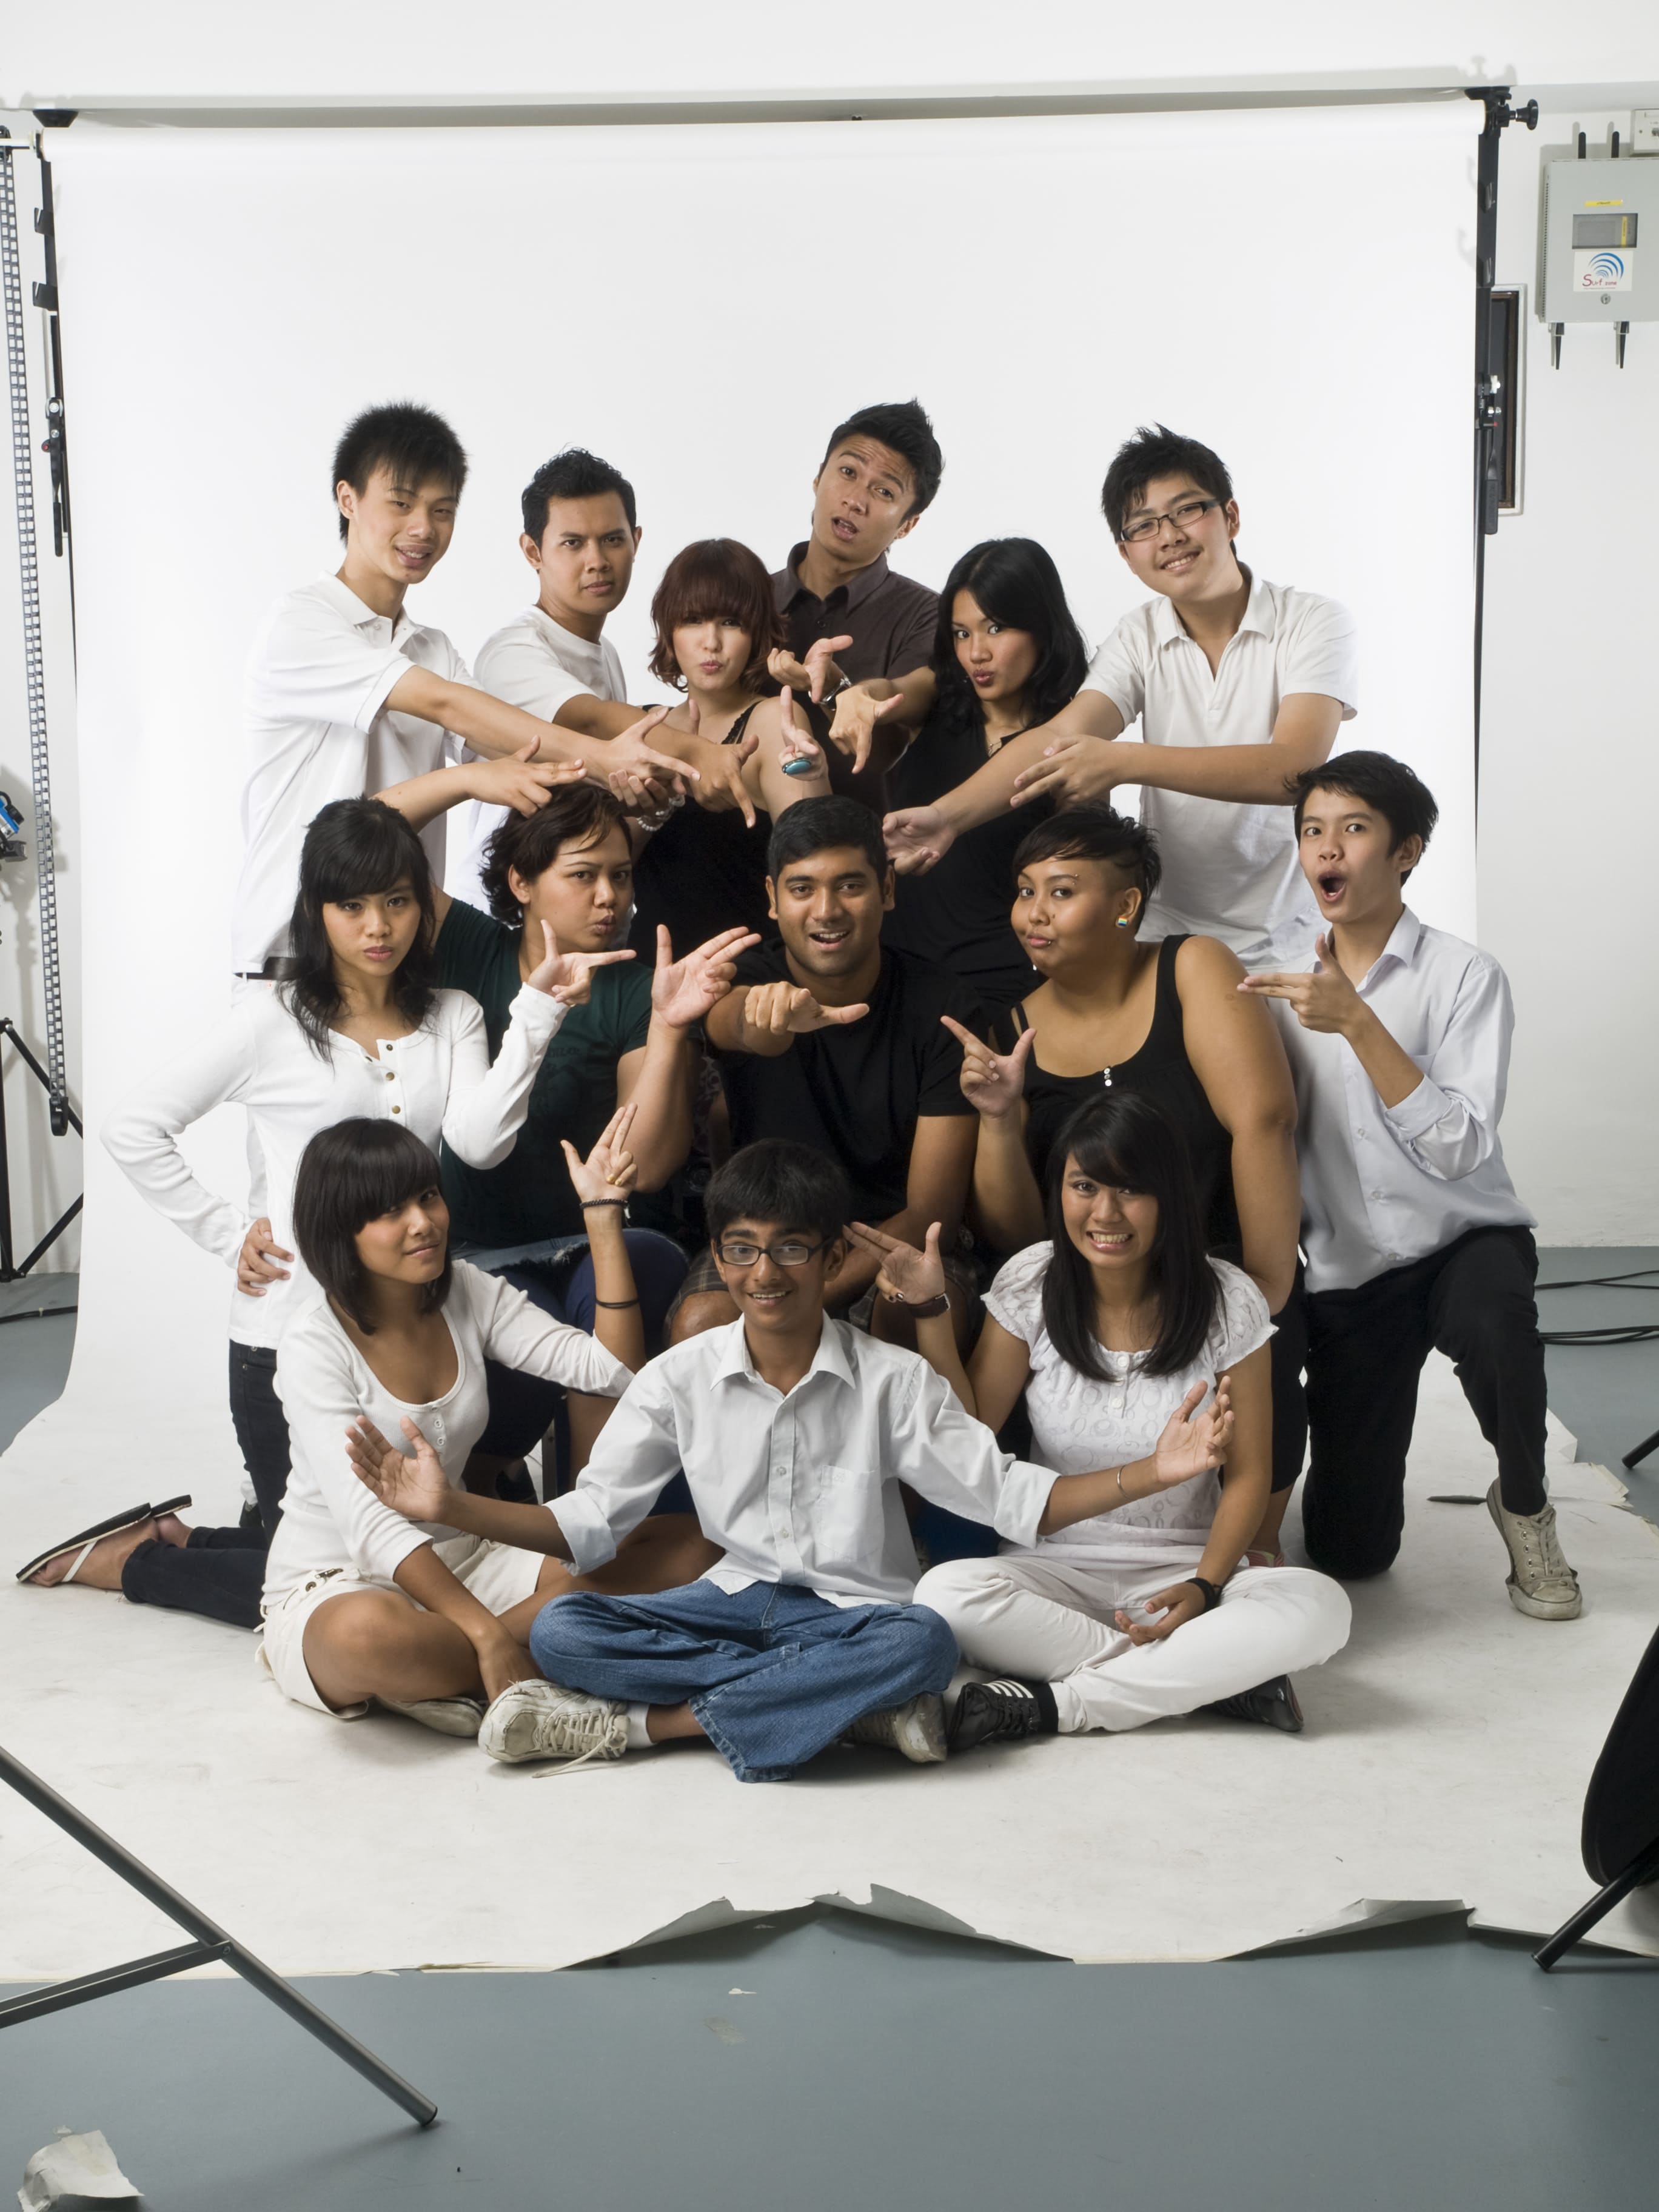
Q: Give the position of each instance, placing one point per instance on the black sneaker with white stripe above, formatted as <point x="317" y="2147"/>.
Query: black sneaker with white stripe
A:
<point x="1002" y="1712"/>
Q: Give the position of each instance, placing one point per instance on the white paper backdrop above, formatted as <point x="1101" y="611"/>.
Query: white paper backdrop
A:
<point x="701" y="304"/>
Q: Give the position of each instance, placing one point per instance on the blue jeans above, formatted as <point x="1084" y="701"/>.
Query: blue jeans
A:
<point x="523" y="1408"/>
<point x="772" y="1672"/>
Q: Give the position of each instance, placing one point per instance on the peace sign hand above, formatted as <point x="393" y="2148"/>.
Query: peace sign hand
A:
<point x="683" y="991"/>
<point x="992" y="1083"/>
<point x="568" y="976"/>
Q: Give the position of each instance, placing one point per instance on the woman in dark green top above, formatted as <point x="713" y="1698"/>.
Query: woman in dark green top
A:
<point x="562" y="874"/>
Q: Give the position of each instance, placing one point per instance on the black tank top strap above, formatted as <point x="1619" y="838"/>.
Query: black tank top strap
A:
<point x="1167" y="1036"/>
<point x="742" y="723"/>
<point x="1007" y="1024"/>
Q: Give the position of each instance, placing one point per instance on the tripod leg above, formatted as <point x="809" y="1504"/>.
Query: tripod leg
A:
<point x="29" y="1786"/>
<point x="1642" y="1869"/>
<point x="1635" y="1458"/>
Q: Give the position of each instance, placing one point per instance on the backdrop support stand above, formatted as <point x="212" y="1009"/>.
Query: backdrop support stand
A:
<point x="210" y="1943"/>
<point x="9" y="1272"/>
<point x="1491" y="402"/>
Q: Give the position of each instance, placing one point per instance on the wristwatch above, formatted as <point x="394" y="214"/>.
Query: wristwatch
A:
<point x="921" y="1308"/>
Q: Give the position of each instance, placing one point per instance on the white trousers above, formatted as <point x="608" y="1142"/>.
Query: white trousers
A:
<point x="1049" y="1622"/>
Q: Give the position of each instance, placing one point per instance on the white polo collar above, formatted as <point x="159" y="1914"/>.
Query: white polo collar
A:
<point x="360" y="616"/>
<point x="1258" y="615"/>
<point x="831" y="1357"/>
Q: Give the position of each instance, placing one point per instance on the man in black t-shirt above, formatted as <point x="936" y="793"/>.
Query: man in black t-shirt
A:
<point x="829" y="1040"/>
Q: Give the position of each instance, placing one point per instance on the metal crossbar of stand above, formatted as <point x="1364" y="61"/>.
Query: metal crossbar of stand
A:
<point x="210" y="1943"/>
<point x="9" y="1271"/>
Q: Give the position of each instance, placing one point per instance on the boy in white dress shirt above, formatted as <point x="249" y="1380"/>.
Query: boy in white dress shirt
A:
<point x="795" y="1431"/>
<point x="346" y="694"/>
<point x="1236" y="684"/>
<point x="580" y="534"/>
<point x="1415" y="1239"/>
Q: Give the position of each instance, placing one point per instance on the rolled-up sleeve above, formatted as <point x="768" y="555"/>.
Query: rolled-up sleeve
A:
<point x="486" y="1105"/>
<point x="955" y="1462"/>
<point x="637" y="1455"/>
<point x="143" y="1134"/>
<point x="1449" y="1124"/>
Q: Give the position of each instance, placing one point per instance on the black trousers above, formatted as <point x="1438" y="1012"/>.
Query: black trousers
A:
<point x="221" y="1572"/>
<point x="1364" y="1350"/>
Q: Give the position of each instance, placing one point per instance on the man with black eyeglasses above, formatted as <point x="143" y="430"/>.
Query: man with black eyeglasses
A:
<point x="1238" y="685"/>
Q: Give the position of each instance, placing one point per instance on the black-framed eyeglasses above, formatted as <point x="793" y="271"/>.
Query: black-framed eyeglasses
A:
<point x="789" y="1252"/>
<point x="1185" y="514"/>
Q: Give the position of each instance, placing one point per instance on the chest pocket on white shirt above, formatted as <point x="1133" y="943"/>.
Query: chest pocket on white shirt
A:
<point x="846" y="1513"/>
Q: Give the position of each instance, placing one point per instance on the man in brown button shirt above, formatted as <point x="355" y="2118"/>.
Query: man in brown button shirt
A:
<point x="856" y="632"/>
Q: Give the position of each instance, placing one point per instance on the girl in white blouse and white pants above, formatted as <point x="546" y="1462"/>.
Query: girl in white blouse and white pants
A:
<point x="358" y="1031"/>
<point x="1145" y="1612"/>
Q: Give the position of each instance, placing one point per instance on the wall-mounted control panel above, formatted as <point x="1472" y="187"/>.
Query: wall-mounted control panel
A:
<point x="1598" y="242"/>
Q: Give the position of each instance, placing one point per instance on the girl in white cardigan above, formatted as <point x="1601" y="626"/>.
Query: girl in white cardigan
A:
<point x="1132" y="1347"/>
<point x="362" y="1605"/>
<point x="358" y="1028"/>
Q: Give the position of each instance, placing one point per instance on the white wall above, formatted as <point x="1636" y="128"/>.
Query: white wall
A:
<point x="46" y="1171"/>
<point x="1569" y="754"/>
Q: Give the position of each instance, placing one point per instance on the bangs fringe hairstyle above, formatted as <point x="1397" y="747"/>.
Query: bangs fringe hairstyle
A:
<point x="716" y="579"/>
<point x="1126" y="1142"/>
<point x="1017" y="584"/>
<point x="349" y="1177"/>
<point x="356" y="846"/>
<point x="573" y="474"/>
<point x="577" y="814"/>
<point x="417" y="446"/>
<point x="1094" y="831"/>
<point x="1378" y="780"/>
<point x="776" y="1181"/>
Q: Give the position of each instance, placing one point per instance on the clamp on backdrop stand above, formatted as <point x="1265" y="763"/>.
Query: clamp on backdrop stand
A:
<point x="1491" y="402"/>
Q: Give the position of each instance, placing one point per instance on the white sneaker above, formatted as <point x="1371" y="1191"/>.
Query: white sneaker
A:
<point x="1540" y="1583"/>
<point x="915" y="1729"/>
<point x="447" y="1715"/>
<point x="540" y="1720"/>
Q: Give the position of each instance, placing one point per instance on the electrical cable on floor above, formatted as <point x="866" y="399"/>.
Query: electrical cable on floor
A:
<point x="1610" y="1332"/>
<point x="38" y="1313"/>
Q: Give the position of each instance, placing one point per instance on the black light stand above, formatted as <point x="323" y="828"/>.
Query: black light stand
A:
<point x="1492" y="401"/>
<point x="210" y="1942"/>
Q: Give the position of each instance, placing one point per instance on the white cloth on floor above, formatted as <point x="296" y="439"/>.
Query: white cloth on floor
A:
<point x="1048" y="1621"/>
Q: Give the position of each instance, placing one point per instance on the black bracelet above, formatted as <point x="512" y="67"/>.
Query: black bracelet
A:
<point x="1210" y="1592"/>
<point x="616" y="1305"/>
<point x="588" y="1203"/>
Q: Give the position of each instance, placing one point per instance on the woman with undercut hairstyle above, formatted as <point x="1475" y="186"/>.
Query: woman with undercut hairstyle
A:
<point x="1111" y="1015"/>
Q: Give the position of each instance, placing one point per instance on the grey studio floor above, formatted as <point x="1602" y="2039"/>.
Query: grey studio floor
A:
<point x="1416" y="2068"/>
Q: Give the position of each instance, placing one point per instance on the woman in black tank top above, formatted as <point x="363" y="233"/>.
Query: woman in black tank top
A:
<point x="1166" y="1020"/>
<point x="700" y="871"/>
<point x="1160" y="1071"/>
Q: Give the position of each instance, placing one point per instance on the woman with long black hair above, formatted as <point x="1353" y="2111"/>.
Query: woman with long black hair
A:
<point x="1131" y="1347"/>
<point x="1007" y="655"/>
<point x="360" y="1027"/>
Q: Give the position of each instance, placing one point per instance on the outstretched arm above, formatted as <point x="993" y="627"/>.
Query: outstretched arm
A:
<point x="1247" y="774"/>
<point x="917" y="836"/>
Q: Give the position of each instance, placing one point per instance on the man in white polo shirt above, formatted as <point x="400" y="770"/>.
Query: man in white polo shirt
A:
<point x="580" y="534"/>
<point x="346" y="694"/>
<point x="1238" y="684"/>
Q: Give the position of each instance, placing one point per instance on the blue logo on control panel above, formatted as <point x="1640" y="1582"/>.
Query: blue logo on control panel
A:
<point x="1604" y="268"/>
